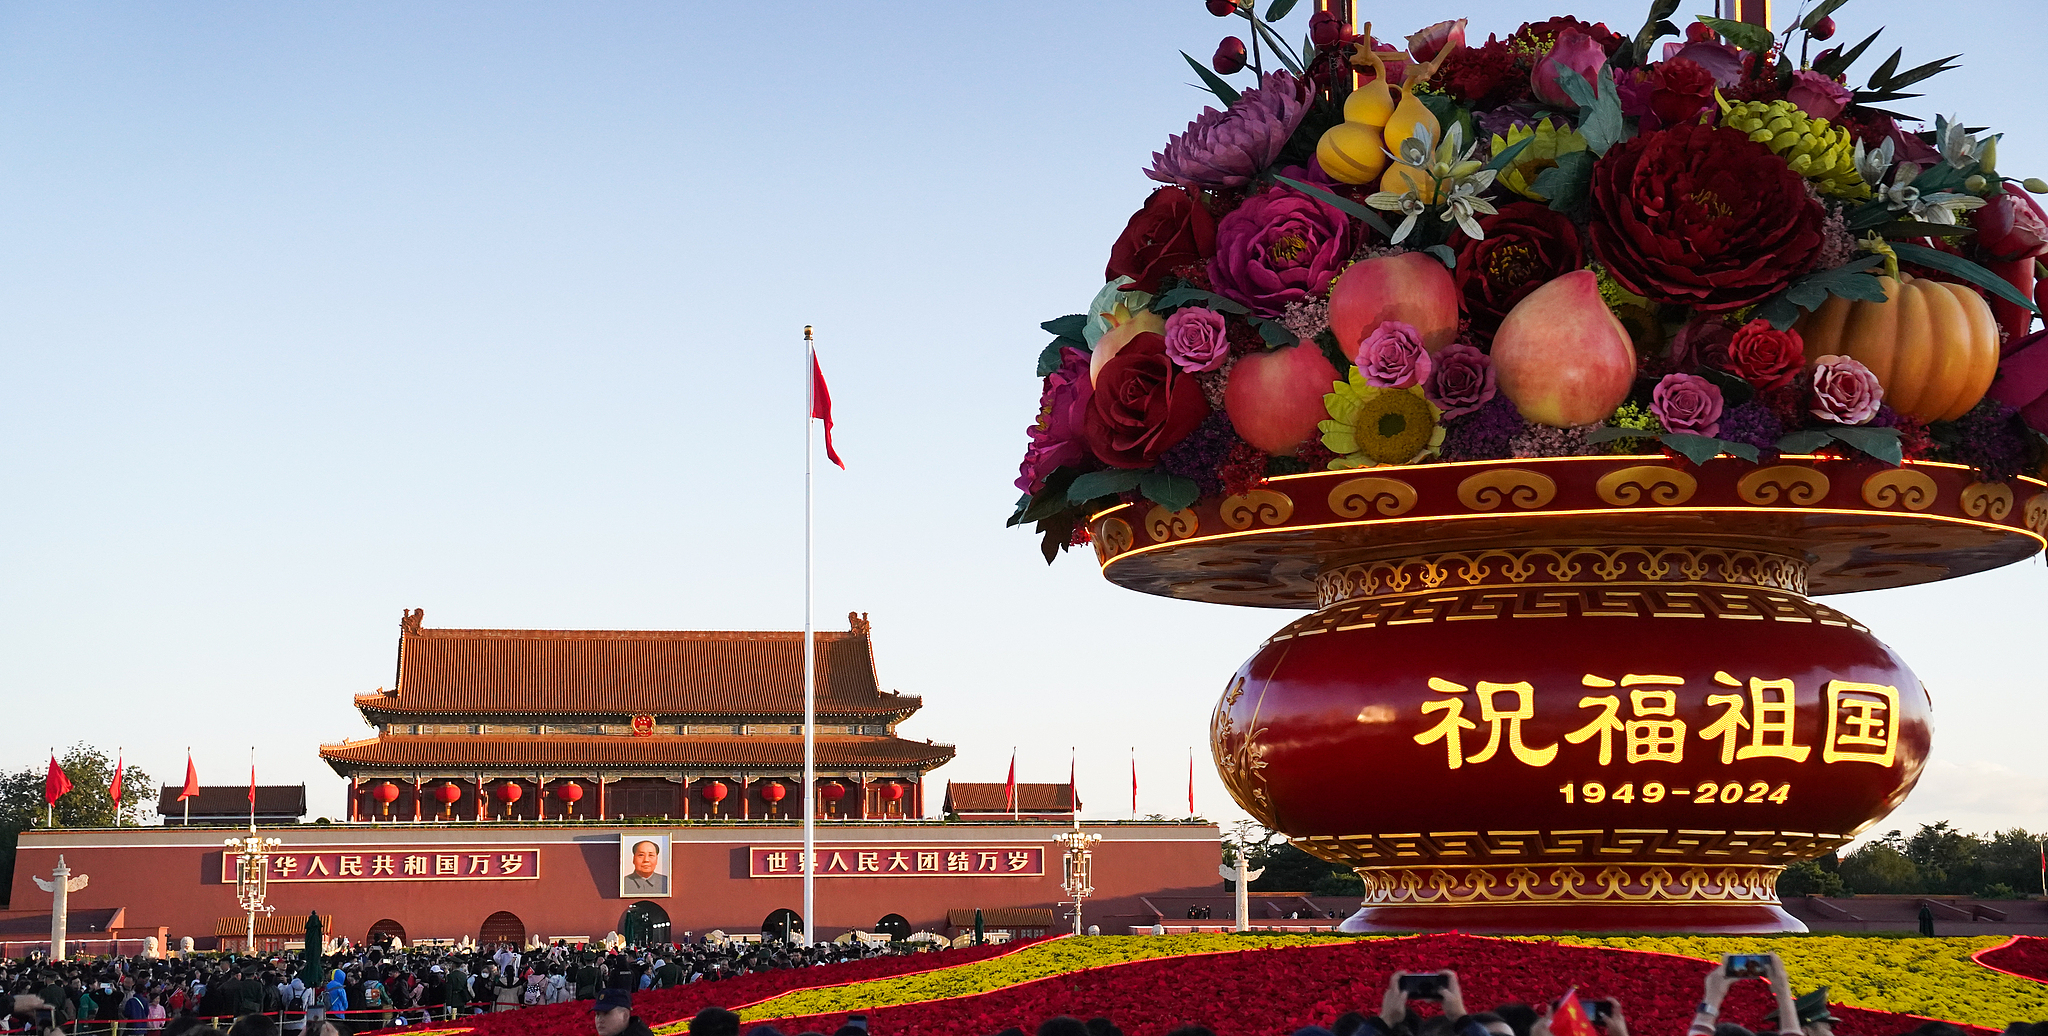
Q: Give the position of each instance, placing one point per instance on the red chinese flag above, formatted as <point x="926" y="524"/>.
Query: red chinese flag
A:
<point x="1073" y="789"/>
<point x="252" y="785"/>
<point x="821" y="408"/>
<point x="55" y="785"/>
<point x="191" y="780"/>
<point x="1010" y="785"/>
<point x="1134" y="782"/>
<point x="114" y="789"/>
<point x="1191" y="782"/>
<point x="1569" y="1018"/>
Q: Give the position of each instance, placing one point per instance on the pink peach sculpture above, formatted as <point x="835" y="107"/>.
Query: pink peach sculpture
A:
<point x="1562" y="356"/>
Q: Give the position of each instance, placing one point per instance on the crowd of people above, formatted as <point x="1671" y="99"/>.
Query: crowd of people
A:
<point x="380" y="988"/>
<point x="286" y="995"/>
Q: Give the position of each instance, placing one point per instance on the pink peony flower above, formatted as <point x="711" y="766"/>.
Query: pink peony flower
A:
<point x="1056" y="438"/>
<point x="1428" y="43"/>
<point x="1460" y="380"/>
<point x="1574" y="50"/>
<point x="1727" y="63"/>
<point x="1817" y="95"/>
<point x="1392" y="356"/>
<point x="1844" y="391"/>
<point x="1276" y="248"/>
<point x="1228" y="148"/>
<point x="1701" y="343"/>
<point x="1687" y="403"/>
<point x="1195" y="339"/>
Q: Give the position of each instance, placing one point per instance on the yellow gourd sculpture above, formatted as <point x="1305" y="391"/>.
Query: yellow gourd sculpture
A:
<point x="1933" y="345"/>
<point x="1378" y="117"/>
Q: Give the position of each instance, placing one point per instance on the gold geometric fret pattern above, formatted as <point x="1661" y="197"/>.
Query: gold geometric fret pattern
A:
<point x="1680" y="845"/>
<point x="1623" y="600"/>
<point x="1535" y="886"/>
<point x="1523" y="566"/>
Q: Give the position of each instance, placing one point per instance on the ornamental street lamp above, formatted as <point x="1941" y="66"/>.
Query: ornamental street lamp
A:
<point x="1079" y="884"/>
<point x="252" y="877"/>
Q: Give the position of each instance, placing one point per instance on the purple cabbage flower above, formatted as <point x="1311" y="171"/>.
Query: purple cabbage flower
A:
<point x="1228" y="148"/>
<point x="1276" y="248"/>
<point x="1057" y="438"/>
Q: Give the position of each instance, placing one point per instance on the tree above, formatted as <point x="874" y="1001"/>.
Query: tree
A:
<point x="1288" y="869"/>
<point x="1808" y="878"/>
<point x="89" y="803"/>
<point x="1946" y="858"/>
<point x="1879" y="868"/>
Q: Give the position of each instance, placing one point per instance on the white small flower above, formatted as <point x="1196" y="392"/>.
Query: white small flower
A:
<point x="1409" y="203"/>
<point x="1942" y="207"/>
<point x="1871" y="163"/>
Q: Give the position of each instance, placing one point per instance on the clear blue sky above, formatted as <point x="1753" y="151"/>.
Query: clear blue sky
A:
<point x="313" y="312"/>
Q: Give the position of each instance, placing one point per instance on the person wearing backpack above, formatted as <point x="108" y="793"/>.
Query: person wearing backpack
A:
<point x="377" y="1001"/>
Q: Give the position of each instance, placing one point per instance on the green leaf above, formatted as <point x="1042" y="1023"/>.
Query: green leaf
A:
<point x="1753" y="38"/>
<point x="1097" y="484"/>
<point x="1274" y="332"/>
<point x="1280" y="49"/>
<point x="1057" y="534"/>
<point x="1169" y="491"/>
<point x="1017" y="515"/>
<point x="1347" y="206"/>
<point x="1068" y="326"/>
<point x="1840" y="63"/>
<point x="1912" y="228"/>
<point x="1958" y="266"/>
<point x="1805" y="440"/>
<point x="1050" y="500"/>
<point x="1600" y="120"/>
<point x="1734" y="390"/>
<point x="1279" y="9"/>
<point x="1507" y="154"/>
<point x="1049" y="357"/>
<point x="1444" y="253"/>
<point x="1696" y="448"/>
<point x="1188" y="295"/>
<point x="1740" y="449"/>
<point x="1224" y="91"/>
<point x="1609" y="433"/>
<point x="1813" y="17"/>
<point x="1850" y="281"/>
<point x="1567" y="182"/>
<point x="1654" y="28"/>
<point x="1919" y="72"/>
<point x="1880" y="443"/>
<point x="1884" y="72"/>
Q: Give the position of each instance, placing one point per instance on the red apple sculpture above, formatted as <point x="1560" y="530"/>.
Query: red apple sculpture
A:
<point x="1275" y="398"/>
<point x="1561" y="355"/>
<point x="1411" y="287"/>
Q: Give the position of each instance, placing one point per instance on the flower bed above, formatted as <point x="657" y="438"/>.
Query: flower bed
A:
<point x="2022" y="955"/>
<point x="1882" y="987"/>
<point x="665" y="1007"/>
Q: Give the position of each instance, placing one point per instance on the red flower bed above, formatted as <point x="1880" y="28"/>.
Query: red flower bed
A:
<point x="659" y="1007"/>
<point x="2025" y="956"/>
<point x="1274" y="992"/>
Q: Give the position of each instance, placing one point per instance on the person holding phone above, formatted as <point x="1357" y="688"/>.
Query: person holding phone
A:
<point x="1737" y="967"/>
<point x="1440" y="986"/>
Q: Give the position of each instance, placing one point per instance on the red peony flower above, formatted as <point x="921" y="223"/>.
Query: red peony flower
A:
<point x="1540" y="36"/>
<point x="1173" y="229"/>
<point x="1526" y="245"/>
<point x="1143" y="405"/>
<point x="1764" y="357"/>
<point x="1703" y="217"/>
<point x="1486" y="76"/>
<point x="1680" y="90"/>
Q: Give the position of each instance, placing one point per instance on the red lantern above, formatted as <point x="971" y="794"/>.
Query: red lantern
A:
<point x="773" y="792"/>
<point x="569" y="792"/>
<point x="386" y="792"/>
<point x="832" y="792"/>
<point x="448" y="793"/>
<point x="714" y="792"/>
<point x="892" y="792"/>
<point x="508" y="792"/>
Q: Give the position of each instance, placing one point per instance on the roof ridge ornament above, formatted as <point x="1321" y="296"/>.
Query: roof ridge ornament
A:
<point x="409" y="621"/>
<point x="857" y="622"/>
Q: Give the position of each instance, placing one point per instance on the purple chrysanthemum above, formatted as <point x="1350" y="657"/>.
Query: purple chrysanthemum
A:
<point x="1753" y="423"/>
<point x="1227" y="148"/>
<point x="1541" y="440"/>
<point x="1483" y="434"/>
<point x="1990" y="438"/>
<point x="1203" y="452"/>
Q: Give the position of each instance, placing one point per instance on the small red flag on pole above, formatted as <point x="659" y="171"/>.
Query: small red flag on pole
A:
<point x="1191" y="782"/>
<point x="821" y="407"/>
<point x="191" y="779"/>
<point x="114" y="789"/>
<point x="1073" y="789"/>
<point x="1010" y="786"/>
<point x="55" y="784"/>
<point x="1134" y="782"/>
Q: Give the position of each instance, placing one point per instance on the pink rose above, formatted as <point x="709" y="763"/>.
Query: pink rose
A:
<point x="1574" y="50"/>
<point x="1195" y="339"/>
<point x="1461" y="380"/>
<point x="1687" y="403"/>
<point x="1844" y="391"/>
<point x="1436" y="39"/>
<point x="1817" y="95"/>
<point x="1392" y="356"/>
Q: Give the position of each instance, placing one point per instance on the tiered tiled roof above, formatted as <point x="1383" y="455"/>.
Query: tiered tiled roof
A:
<point x="963" y="797"/>
<point x="449" y="672"/>
<point x="598" y="752"/>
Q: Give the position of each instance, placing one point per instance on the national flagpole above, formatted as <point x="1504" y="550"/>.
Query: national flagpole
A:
<point x="810" y="660"/>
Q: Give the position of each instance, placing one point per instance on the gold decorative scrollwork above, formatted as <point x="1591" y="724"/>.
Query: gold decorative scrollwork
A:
<point x="1563" y="566"/>
<point x="1900" y="488"/>
<point x="1646" y="483"/>
<point x="1518" y="486"/>
<point x="1353" y="498"/>
<point x="1164" y="525"/>
<point x="1113" y="538"/>
<point x="1987" y="500"/>
<point x="2037" y="513"/>
<point x="1800" y="486"/>
<point x="1266" y="506"/>
<point x="1615" y="883"/>
<point x="1240" y="759"/>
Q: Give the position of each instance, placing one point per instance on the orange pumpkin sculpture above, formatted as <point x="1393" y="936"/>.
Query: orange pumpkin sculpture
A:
<point x="1933" y="345"/>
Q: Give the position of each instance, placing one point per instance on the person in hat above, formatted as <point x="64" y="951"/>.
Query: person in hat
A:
<point x="613" y="1015"/>
<point x="1812" y="1012"/>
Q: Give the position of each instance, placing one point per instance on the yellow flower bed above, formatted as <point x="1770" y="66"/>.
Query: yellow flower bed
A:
<point x="1931" y="977"/>
<point x="1054" y="958"/>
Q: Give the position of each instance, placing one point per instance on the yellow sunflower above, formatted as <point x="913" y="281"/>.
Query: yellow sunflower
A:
<point x="1370" y="426"/>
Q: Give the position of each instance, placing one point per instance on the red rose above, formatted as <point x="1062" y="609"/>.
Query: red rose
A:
<point x="1764" y="357"/>
<point x="1143" y="405"/>
<point x="1703" y="217"/>
<point x="1680" y="90"/>
<point x="1526" y="245"/>
<point x="1173" y="229"/>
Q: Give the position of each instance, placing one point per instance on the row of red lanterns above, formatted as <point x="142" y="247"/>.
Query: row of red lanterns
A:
<point x="714" y="793"/>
